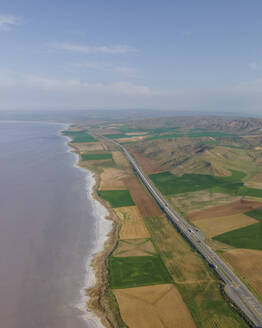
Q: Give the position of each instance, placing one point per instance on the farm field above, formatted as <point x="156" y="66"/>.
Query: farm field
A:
<point x="199" y="200"/>
<point x="158" y="306"/>
<point x="112" y="179"/>
<point x="248" y="237"/>
<point x="132" y="224"/>
<point x="97" y="166"/>
<point x="89" y="146"/>
<point x="136" y="133"/>
<point x="117" y="136"/>
<point x="170" y="184"/>
<point x="181" y="261"/>
<point x="96" y="156"/>
<point x="130" y="139"/>
<point x="120" y="160"/>
<point x="116" y="198"/>
<point x="79" y="136"/>
<point x="214" y="226"/>
<point x="189" y="134"/>
<point x="133" y="271"/>
<point x="256" y="181"/>
<point x="249" y="264"/>
<point x="236" y="207"/>
<point x="192" y="277"/>
<point x="208" y="307"/>
<point x="145" y="203"/>
<point x="134" y="247"/>
<point x="255" y="213"/>
<point x="164" y="133"/>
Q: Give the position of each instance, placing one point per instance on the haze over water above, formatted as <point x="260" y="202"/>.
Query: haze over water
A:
<point x="46" y="228"/>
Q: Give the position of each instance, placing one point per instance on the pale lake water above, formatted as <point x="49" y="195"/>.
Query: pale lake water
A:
<point x="47" y="228"/>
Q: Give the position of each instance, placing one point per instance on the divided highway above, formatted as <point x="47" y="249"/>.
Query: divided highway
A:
<point x="234" y="287"/>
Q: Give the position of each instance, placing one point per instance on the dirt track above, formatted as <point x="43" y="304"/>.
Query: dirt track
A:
<point x="134" y="247"/>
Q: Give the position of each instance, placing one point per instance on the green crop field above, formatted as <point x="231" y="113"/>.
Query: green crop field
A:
<point x="199" y="134"/>
<point x="132" y="271"/>
<point x="156" y="134"/>
<point x="248" y="237"/>
<point x="251" y="192"/>
<point x="117" y="136"/>
<point x="208" y="307"/>
<point x="256" y="213"/>
<point x="117" y="198"/>
<point x="79" y="136"/>
<point x="92" y="157"/>
<point x="170" y="184"/>
<point x="149" y="131"/>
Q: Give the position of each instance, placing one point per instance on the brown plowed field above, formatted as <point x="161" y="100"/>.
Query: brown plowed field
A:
<point x="248" y="263"/>
<point x="134" y="247"/>
<point x="237" y="207"/>
<point x="89" y="146"/>
<point x="148" y="165"/>
<point x="145" y="203"/>
<point x="218" y="225"/>
<point x="112" y="179"/>
<point x="133" y="226"/>
<point x="159" y="306"/>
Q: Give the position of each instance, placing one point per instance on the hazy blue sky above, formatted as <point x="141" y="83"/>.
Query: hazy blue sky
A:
<point x="168" y="54"/>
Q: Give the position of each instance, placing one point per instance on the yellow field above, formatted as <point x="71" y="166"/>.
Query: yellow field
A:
<point x="89" y="146"/>
<point x="217" y="225"/>
<point x="131" y="139"/>
<point x="136" y="133"/>
<point x="120" y="159"/>
<point x="256" y="181"/>
<point x="133" y="226"/>
<point x="112" y="179"/>
<point x="134" y="247"/>
<point x="248" y="263"/>
<point x="159" y="306"/>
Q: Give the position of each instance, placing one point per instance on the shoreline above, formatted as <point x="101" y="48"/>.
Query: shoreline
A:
<point x="92" y="303"/>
